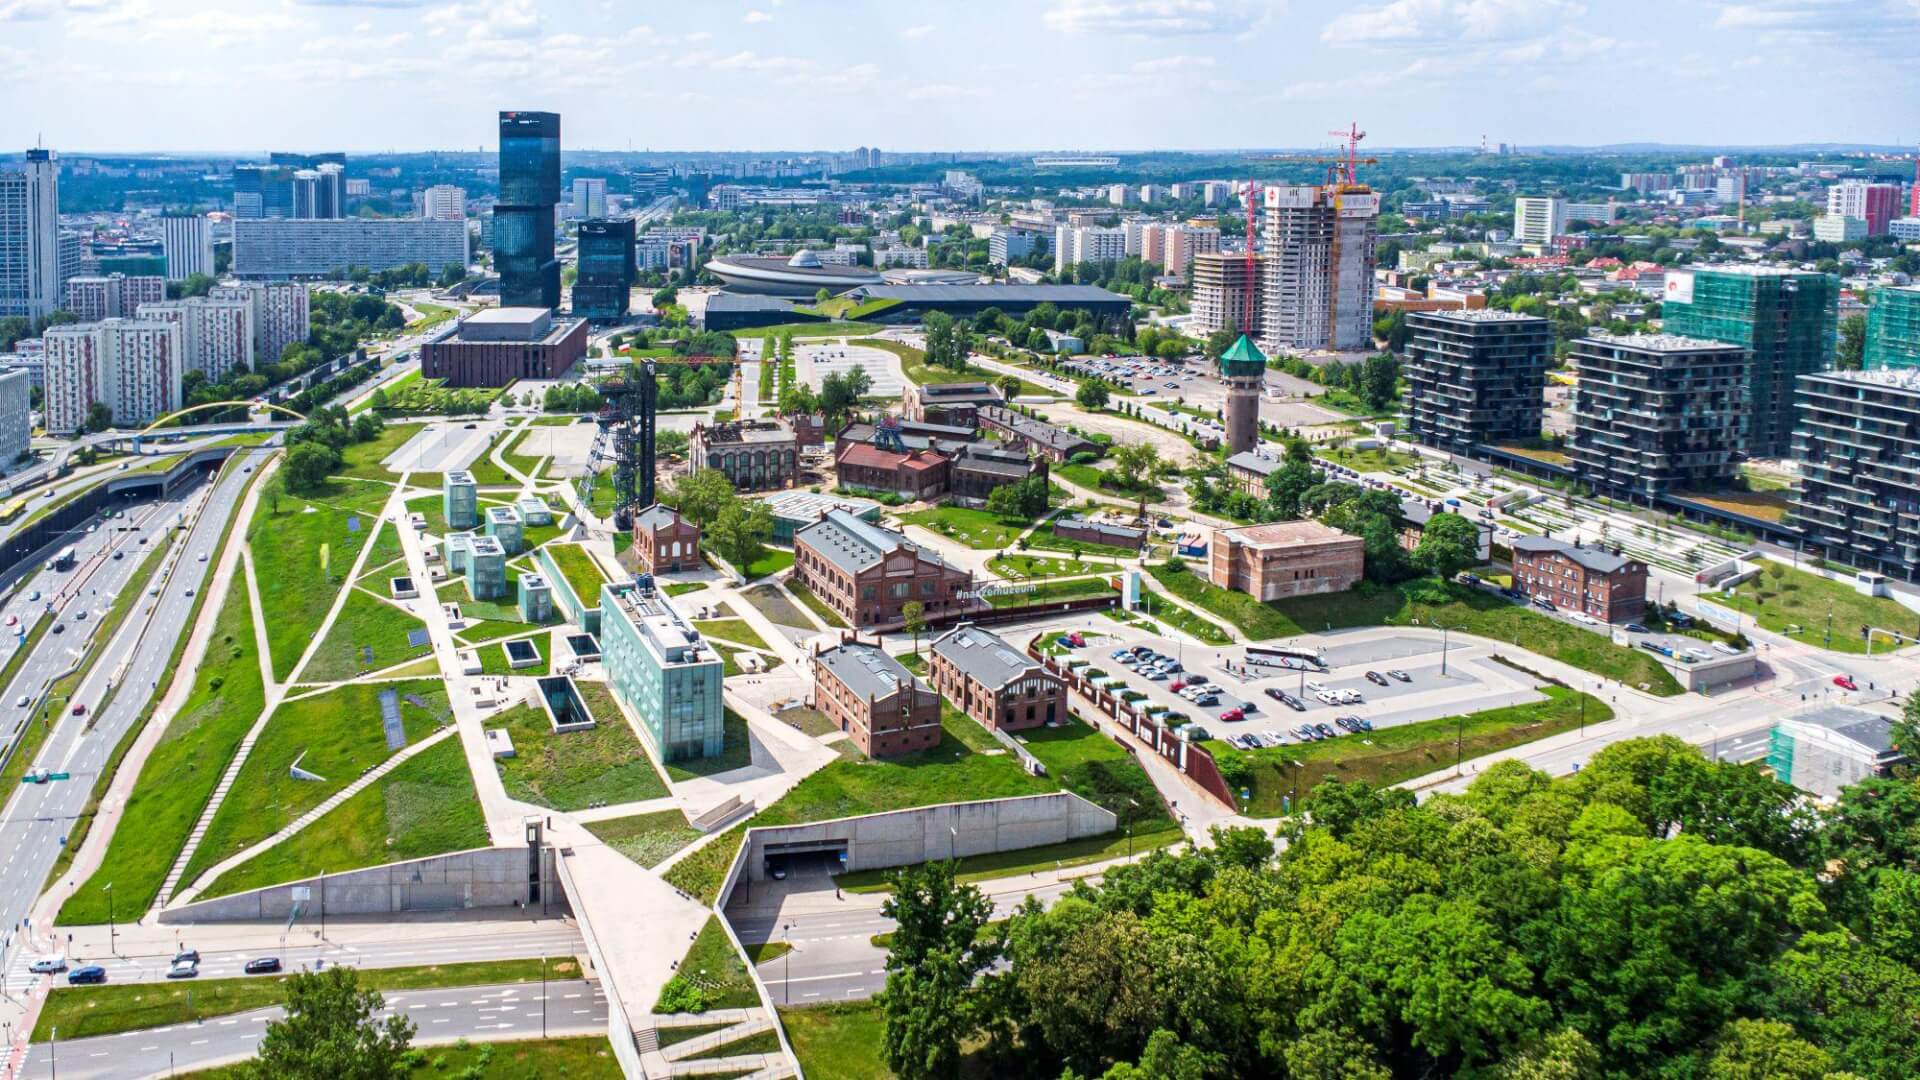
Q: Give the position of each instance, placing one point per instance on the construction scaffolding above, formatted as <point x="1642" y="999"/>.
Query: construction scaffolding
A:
<point x="1893" y="329"/>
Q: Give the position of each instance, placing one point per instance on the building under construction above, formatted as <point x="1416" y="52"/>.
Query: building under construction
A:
<point x="1226" y="292"/>
<point x="1893" y="329"/>
<point x="1318" y="272"/>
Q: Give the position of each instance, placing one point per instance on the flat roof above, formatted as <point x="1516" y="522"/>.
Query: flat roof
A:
<point x="1870" y="730"/>
<point x="798" y="504"/>
<point x="1035" y="294"/>
<point x="1279" y="534"/>
<point x="1661" y="342"/>
<point x="508" y="316"/>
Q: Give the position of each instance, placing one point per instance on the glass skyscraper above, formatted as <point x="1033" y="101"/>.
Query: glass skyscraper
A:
<point x="603" y="289"/>
<point x="523" y="219"/>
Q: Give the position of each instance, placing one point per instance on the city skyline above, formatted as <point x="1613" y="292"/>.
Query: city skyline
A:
<point x="401" y="75"/>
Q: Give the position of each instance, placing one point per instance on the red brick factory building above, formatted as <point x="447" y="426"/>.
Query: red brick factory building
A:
<point x="1286" y="558"/>
<point x="1601" y="583"/>
<point x="994" y="683"/>
<point x="867" y="573"/>
<point x="877" y="702"/>
<point x="495" y="346"/>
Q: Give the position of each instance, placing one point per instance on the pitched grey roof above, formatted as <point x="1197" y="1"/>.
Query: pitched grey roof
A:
<point x="1255" y="462"/>
<point x="1870" y="730"/>
<point x="982" y="656"/>
<point x="655" y="517"/>
<point x="1595" y="559"/>
<point x="1105" y="528"/>
<point x="1038" y="431"/>
<point x="854" y="545"/>
<point x="866" y="670"/>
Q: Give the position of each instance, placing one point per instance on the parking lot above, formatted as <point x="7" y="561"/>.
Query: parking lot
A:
<point x="1472" y="682"/>
<point x="813" y="363"/>
<point x="1194" y="383"/>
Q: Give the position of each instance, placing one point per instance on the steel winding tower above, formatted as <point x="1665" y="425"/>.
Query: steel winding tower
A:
<point x="629" y="417"/>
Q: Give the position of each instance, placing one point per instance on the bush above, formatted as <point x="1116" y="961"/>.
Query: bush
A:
<point x="680" y="995"/>
<point x="1084" y="457"/>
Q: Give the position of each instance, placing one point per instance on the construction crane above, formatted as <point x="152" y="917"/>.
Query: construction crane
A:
<point x="1352" y="137"/>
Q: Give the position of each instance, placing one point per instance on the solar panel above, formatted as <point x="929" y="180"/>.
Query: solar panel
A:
<point x="353" y="523"/>
<point x="418" y="638"/>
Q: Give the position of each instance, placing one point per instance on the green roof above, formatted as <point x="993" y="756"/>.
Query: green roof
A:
<point x="1244" y="357"/>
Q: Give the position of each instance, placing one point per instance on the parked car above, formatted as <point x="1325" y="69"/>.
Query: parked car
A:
<point x="1232" y="715"/>
<point x="1544" y="604"/>
<point x="1316" y="687"/>
<point x="1292" y="702"/>
<point x="92" y="973"/>
<point x="1845" y="682"/>
<point x="1306" y="733"/>
<point x="1401" y="675"/>
<point x="1376" y="678"/>
<point x="187" y="954"/>
<point x="1325" y="731"/>
<point x="263" y="965"/>
<point x="1196" y="677"/>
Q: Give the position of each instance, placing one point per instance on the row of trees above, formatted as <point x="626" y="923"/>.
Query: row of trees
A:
<point x="734" y="529"/>
<point x="1653" y="915"/>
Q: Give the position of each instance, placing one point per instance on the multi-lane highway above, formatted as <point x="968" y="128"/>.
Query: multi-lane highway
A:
<point x="572" y="1007"/>
<point x="38" y="817"/>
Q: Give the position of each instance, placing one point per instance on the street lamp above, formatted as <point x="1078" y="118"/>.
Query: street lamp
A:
<point x="543" y="995"/>
<point x="786" y="974"/>
<point x="1136" y="805"/>
<point x="112" y="934"/>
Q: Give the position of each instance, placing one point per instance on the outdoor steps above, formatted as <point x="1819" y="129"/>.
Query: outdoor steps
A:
<point x="206" y="815"/>
<point x="769" y="1065"/>
<point x="680" y="1051"/>
<point x="359" y="784"/>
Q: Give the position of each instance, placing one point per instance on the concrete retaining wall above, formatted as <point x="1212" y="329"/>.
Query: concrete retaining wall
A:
<point x="954" y="830"/>
<point x="481" y="878"/>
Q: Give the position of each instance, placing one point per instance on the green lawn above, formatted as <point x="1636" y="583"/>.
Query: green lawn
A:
<point x="913" y="362"/>
<point x="286" y="545"/>
<point x="1021" y="567"/>
<point x="429" y="507"/>
<point x="577" y="769"/>
<point x="760" y="1042"/>
<point x="738" y="631"/>
<point x="772" y="560"/>
<point x="386" y="549"/>
<point x="337" y="735"/>
<point x="425" y="807"/>
<point x="1098" y="479"/>
<point x="648" y="839"/>
<point x="1166" y="611"/>
<point x="1057" y="590"/>
<point x="1470" y="610"/>
<point x="494" y="661"/>
<point x="974" y="528"/>
<point x="1797" y="598"/>
<point x="364" y="622"/>
<point x="950" y="772"/>
<point x="363" y="460"/>
<point x="682" y="588"/>
<point x="1395" y="754"/>
<point x="82" y="1012"/>
<point x="714" y="965"/>
<point x="1045" y="539"/>
<point x="528" y="451"/>
<point x="582" y="573"/>
<point x="767" y="598"/>
<point x="699" y="874"/>
<point x="816" y="605"/>
<point x="1377" y="460"/>
<point x="842" y="1040"/>
<point x="738" y="753"/>
<point x="181" y="771"/>
<point x="819" y="329"/>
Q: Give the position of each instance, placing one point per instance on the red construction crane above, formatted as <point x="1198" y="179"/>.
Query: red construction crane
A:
<point x="1351" y="137"/>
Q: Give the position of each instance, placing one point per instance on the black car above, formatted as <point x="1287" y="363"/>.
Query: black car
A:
<point x="187" y="954"/>
<point x="1376" y="678"/>
<point x="1325" y="731"/>
<point x="92" y="973"/>
<point x="263" y="965"/>
<point x="1292" y="702"/>
<point x="1635" y="628"/>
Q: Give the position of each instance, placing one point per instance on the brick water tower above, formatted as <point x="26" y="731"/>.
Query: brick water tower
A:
<point x="1244" y="369"/>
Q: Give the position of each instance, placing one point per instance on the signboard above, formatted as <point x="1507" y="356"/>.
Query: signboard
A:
<point x="302" y="893"/>
<point x="1352" y="205"/>
<point x="1679" y="287"/>
<point x="326" y="558"/>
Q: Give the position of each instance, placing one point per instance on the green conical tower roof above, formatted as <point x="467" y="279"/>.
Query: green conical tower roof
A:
<point x="1244" y="358"/>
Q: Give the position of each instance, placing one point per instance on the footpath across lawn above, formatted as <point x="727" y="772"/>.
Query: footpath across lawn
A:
<point x="1461" y="608"/>
<point x="1395" y="754"/>
<point x="286" y="543"/>
<point x="1797" y="598"/>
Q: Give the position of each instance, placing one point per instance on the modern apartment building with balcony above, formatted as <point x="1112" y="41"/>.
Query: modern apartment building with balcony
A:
<point x="1858" y="445"/>
<point x="1657" y="414"/>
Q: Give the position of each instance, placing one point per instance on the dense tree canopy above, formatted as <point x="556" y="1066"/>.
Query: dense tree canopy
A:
<point x="1654" y="915"/>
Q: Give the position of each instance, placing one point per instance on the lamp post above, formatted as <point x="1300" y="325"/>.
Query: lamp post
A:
<point x="786" y="961"/>
<point x="543" y="995"/>
<point x="112" y="933"/>
<point x="1136" y="805"/>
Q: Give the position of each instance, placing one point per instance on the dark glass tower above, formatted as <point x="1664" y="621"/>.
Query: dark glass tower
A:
<point x="604" y="286"/>
<point x="523" y="219"/>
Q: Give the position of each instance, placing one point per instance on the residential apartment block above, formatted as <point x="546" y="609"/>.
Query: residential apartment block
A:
<point x="280" y="249"/>
<point x="1476" y="377"/>
<point x="112" y="296"/>
<point x="1657" y="414"/>
<point x="1858" y="499"/>
<point x="1893" y="329"/>
<point x="1227" y="292"/>
<point x="217" y="335"/>
<point x="281" y="313"/>
<point x="16" y="415"/>
<point x="131" y="366"/>
<point x="1319" y="244"/>
<point x="1787" y="319"/>
<point x="1593" y="581"/>
<point x="868" y="573"/>
<point x="881" y="706"/>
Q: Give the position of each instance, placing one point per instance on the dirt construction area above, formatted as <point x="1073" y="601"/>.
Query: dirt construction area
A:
<point x="1123" y="430"/>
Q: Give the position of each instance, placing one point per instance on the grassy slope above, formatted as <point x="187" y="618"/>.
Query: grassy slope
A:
<point x="572" y="771"/>
<point x="286" y="557"/>
<point x="369" y="622"/>
<point x="648" y="839"/>
<point x="1803" y="599"/>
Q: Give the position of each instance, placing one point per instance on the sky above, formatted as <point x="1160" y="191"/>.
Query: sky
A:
<point x="245" y="76"/>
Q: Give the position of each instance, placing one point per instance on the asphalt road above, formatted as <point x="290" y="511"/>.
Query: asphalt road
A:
<point x="479" y="1013"/>
<point x="38" y="816"/>
<point x="301" y="947"/>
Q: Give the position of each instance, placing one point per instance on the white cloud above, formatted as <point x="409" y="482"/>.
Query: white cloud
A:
<point x="1158" y="18"/>
<point x="700" y="35"/>
<point x="915" y="33"/>
<point x="1165" y="64"/>
<point x="753" y="17"/>
<point x="944" y="92"/>
<point x="22" y="10"/>
<point x="1418" y="23"/>
<point x="363" y="3"/>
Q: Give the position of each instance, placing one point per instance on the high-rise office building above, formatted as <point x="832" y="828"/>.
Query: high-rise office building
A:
<point x="1538" y="220"/>
<point x="603" y="289"/>
<point x="320" y="194"/>
<point x="111" y="296"/>
<point x="30" y="238"/>
<point x="1893" y="329"/>
<point x="216" y="336"/>
<point x="1875" y="204"/>
<point x="444" y="202"/>
<point x="1319" y="262"/>
<point x="16" y="414"/>
<point x="1786" y="319"/>
<point x="187" y="240"/>
<point x="589" y="197"/>
<point x="1657" y="414"/>
<point x="1856" y="500"/>
<point x="262" y="191"/>
<point x="131" y="366"/>
<point x="278" y="311"/>
<point x="523" y="220"/>
<point x="1476" y="378"/>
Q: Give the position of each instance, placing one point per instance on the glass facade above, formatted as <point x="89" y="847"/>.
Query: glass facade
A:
<point x="605" y="284"/>
<point x="460" y="500"/>
<point x="1893" y="329"/>
<point x="523" y="221"/>
<point x="1788" y="319"/>
<point x="663" y="671"/>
